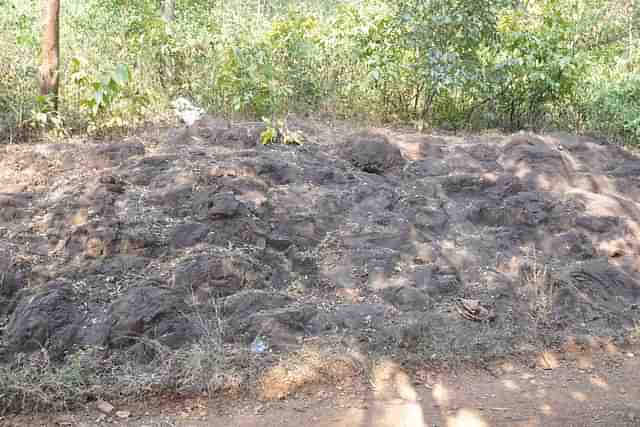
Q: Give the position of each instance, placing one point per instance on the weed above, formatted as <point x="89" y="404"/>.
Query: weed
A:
<point x="539" y="289"/>
<point x="277" y="131"/>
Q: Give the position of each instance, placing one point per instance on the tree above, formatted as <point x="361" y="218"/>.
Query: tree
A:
<point x="50" y="45"/>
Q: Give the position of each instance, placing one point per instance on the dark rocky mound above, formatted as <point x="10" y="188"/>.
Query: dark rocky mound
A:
<point x="374" y="237"/>
<point x="372" y="153"/>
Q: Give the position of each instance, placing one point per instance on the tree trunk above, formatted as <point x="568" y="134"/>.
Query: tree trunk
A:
<point x="169" y="10"/>
<point x="50" y="50"/>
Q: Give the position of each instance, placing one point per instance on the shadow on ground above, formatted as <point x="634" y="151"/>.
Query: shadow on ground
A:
<point x="200" y="240"/>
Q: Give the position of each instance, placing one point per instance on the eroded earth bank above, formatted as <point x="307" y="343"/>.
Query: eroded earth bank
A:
<point x="152" y="263"/>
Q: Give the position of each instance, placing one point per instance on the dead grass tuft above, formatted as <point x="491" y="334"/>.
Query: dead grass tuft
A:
<point x="308" y="367"/>
<point x="539" y="289"/>
<point x="33" y="383"/>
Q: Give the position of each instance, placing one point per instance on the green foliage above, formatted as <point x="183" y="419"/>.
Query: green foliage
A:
<point x="613" y="109"/>
<point x="461" y="64"/>
<point x="277" y="131"/>
<point x="535" y="67"/>
<point x="44" y="116"/>
<point x="271" y="72"/>
<point x="18" y="85"/>
<point x="109" y="99"/>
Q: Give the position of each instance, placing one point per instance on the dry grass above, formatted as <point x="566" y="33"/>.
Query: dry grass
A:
<point x="539" y="289"/>
<point x="35" y="383"/>
<point x="310" y="366"/>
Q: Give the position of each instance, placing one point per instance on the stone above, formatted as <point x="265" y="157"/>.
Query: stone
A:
<point x="213" y="205"/>
<point x="187" y="235"/>
<point x="105" y="407"/>
<point x="281" y="328"/>
<point x="44" y="317"/>
<point x="214" y="276"/>
<point x="245" y="303"/>
<point x="372" y="153"/>
<point x="151" y="312"/>
<point x="11" y="281"/>
<point x="123" y="415"/>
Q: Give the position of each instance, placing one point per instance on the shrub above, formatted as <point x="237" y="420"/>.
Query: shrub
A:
<point x="612" y="108"/>
<point x="452" y="63"/>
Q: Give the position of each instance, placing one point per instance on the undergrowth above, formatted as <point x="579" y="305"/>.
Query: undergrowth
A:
<point x="34" y="383"/>
<point x="455" y="64"/>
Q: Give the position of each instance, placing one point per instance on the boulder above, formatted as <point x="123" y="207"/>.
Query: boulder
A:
<point x="281" y="328"/>
<point x="212" y="276"/>
<point x="154" y="313"/>
<point x="45" y="317"/>
<point x="372" y="153"/>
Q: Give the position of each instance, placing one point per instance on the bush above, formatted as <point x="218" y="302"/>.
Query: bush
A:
<point x="464" y="64"/>
<point x="535" y="68"/>
<point x="612" y="108"/>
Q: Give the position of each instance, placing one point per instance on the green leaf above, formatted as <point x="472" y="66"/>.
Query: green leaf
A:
<point x="113" y="86"/>
<point x="75" y="64"/>
<point x="268" y="135"/>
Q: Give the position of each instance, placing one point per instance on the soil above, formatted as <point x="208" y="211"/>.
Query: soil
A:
<point x="583" y="389"/>
<point x="196" y="259"/>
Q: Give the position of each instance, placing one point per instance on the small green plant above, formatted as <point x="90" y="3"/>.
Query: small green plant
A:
<point x="277" y="131"/>
<point x="110" y="99"/>
<point x="45" y="116"/>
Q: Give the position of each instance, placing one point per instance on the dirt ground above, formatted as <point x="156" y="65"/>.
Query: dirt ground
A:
<point x="156" y="262"/>
<point x="564" y="390"/>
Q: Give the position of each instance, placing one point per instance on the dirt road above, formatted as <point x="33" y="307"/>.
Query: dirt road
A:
<point x="573" y="390"/>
